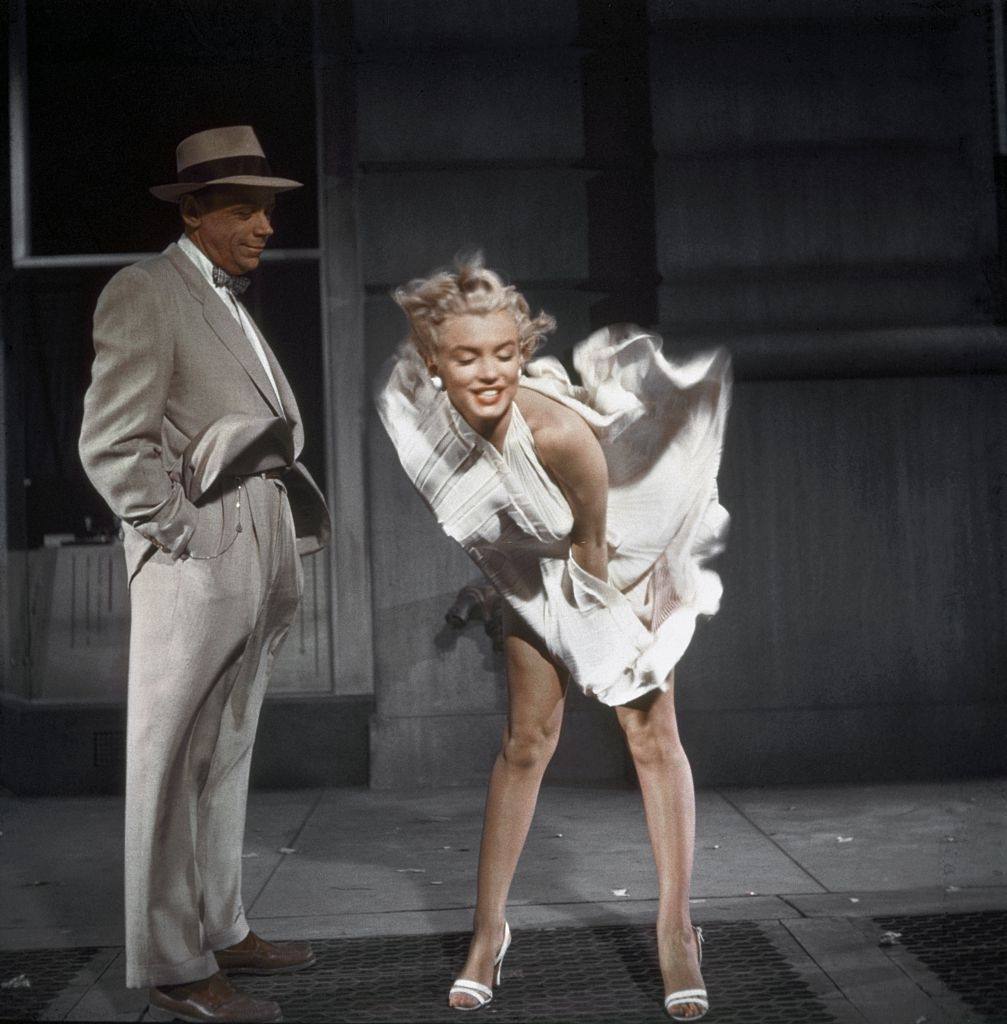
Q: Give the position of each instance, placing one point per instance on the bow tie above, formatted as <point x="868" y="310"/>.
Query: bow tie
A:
<point x="235" y="285"/>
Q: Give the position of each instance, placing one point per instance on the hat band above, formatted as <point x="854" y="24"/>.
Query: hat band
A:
<point x="225" y="167"/>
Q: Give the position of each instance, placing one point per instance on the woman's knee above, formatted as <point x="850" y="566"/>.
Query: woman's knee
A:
<point x="654" y="743"/>
<point x="527" y="747"/>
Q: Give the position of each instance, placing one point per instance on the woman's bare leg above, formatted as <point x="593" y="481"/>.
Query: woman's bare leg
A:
<point x="669" y="802"/>
<point x="535" y="713"/>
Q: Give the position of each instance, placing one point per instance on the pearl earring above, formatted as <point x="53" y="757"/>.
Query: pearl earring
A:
<point x="437" y="382"/>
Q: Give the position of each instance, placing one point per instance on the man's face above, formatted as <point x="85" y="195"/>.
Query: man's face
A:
<point x="230" y="224"/>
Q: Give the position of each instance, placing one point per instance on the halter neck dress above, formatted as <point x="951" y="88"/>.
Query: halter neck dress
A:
<point x="660" y="426"/>
<point x="544" y="496"/>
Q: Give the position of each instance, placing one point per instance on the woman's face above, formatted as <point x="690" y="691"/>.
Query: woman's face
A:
<point x="479" y="359"/>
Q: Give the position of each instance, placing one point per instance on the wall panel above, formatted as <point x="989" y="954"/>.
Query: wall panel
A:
<point x="834" y="206"/>
<point x="485" y="106"/>
<point x="469" y="25"/>
<point x="822" y="168"/>
<point x="719" y="83"/>
<point x="736" y="301"/>
<point x="530" y="223"/>
<point x="866" y="563"/>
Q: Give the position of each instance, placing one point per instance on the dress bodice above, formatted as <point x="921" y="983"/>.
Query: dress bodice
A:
<point x="660" y="426"/>
<point x="544" y="497"/>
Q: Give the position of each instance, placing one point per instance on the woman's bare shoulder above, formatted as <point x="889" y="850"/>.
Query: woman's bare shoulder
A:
<point x="560" y="434"/>
<point x="546" y="417"/>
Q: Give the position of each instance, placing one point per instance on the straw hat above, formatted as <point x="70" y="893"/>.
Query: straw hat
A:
<point x="221" y="156"/>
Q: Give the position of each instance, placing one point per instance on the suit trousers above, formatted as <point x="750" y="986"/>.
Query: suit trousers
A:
<point x="203" y="637"/>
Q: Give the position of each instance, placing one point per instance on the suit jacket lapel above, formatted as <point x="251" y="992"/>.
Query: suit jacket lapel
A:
<point x="290" y="410"/>
<point x="221" y="321"/>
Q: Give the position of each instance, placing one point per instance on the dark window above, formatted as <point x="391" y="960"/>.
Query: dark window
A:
<point x="114" y="86"/>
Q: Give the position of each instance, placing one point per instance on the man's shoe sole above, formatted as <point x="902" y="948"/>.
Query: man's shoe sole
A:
<point x="261" y="971"/>
<point x="160" y="1014"/>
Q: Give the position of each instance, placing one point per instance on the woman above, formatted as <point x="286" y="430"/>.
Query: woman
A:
<point x="590" y="508"/>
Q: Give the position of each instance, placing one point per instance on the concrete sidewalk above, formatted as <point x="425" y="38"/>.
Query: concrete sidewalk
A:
<point x="819" y="864"/>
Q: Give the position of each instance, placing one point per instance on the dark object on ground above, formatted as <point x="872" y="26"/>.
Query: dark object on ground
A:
<point x="475" y="601"/>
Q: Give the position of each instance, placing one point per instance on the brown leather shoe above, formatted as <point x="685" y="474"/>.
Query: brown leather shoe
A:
<point x="212" y="999"/>
<point x="254" y="955"/>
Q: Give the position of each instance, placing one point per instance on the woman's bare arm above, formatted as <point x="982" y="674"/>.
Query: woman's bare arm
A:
<point x="570" y="451"/>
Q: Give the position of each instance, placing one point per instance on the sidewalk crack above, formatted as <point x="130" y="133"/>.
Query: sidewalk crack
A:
<point x="762" y="832"/>
<point x="291" y="842"/>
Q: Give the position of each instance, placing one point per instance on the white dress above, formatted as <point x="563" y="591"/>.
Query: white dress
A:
<point x="661" y="428"/>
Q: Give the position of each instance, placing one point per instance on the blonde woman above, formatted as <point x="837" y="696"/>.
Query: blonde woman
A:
<point x="591" y="509"/>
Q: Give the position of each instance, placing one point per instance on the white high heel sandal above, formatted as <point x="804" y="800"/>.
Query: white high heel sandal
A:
<point x="483" y="994"/>
<point x="696" y="996"/>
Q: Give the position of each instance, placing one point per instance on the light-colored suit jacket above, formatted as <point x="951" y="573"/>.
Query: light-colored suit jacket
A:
<point x="180" y="408"/>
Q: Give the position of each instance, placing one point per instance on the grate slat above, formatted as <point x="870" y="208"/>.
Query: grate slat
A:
<point x="50" y="971"/>
<point x="967" y="952"/>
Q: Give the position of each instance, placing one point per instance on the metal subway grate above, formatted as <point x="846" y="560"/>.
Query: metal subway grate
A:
<point x="50" y="971"/>
<point x="967" y="952"/>
<point x="607" y="974"/>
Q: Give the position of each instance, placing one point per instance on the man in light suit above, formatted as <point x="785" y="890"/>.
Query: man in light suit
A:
<point x="191" y="434"/>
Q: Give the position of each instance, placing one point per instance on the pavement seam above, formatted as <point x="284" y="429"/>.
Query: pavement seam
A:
<point x="292" y="843"/>
<point x="784" y="937"/>
<point x="826" y="973"/>
<point x="793" y="906"/>
<point x="946" y="998"/>
<point x="112" y="954"/>
<point x="871" y="1010"/>
<point x="762" y="832"/>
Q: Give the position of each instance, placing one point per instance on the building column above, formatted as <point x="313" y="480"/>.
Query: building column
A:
<point x="343" y="356"/>
<point x="12" y="668"/>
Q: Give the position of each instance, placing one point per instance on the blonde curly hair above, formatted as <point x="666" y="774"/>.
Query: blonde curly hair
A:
<point x="471" y="289"/>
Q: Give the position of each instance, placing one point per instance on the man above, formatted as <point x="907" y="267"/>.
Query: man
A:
<point x="191" y="434"/>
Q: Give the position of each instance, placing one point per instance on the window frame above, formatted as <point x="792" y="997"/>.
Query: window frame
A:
<point x="22" y="257"/>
